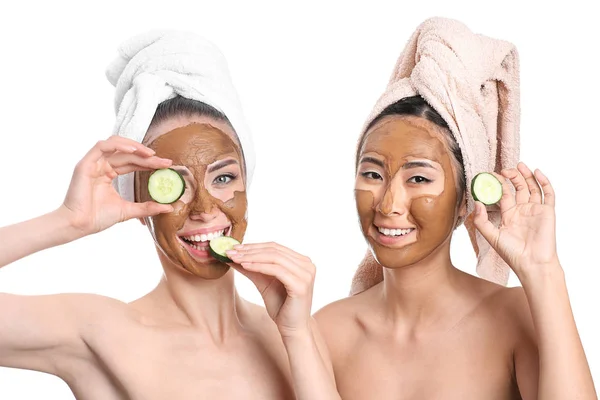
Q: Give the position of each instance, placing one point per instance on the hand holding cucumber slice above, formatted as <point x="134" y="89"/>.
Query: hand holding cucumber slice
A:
<point x="166" y="186"/>
<point x="486" y="188"/>
<point x="220" y="245"/>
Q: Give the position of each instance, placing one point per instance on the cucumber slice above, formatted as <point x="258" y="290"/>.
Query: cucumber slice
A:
<point x="486" y="188"/>
<point x="218" y="246"/>
<point x="166" y="186"/>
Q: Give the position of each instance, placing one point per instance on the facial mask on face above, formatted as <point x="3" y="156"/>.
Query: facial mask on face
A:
<point x="214" y="202"/>
<point x="421" y="214"/>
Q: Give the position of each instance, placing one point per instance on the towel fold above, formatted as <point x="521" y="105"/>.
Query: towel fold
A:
<point x="472" y="81"/>
<point x="158" y="65"/>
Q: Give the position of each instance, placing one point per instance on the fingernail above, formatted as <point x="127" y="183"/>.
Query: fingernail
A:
<point x="239" y="247"/>
<point x="231" y="252"/>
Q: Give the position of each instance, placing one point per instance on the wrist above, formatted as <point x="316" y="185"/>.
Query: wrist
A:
<point x="296" y="336"/>
<point x="66" y="229"/>
<point x="542" y="275"/>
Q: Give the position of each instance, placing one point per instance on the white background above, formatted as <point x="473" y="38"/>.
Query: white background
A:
<point x="308" y="75"/>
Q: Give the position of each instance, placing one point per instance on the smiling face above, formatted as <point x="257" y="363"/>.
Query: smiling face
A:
<point x="405" y="190"/>
<point x="214" y="201"/>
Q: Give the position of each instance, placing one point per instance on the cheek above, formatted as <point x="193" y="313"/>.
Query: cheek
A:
<point x="365" y="206"/>
<point x="226" y="193"/>
<point x="435" y="212"/>
<point x="235" y="210"/>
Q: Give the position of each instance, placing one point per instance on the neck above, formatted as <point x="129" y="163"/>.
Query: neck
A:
<point x="422" y="293"/>
<point x="211" y="305"/>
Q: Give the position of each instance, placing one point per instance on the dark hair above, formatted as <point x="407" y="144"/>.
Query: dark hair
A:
<point x="181" y="106"/>
<point x="418" y="107"/>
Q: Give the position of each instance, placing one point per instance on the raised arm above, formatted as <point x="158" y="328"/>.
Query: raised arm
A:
<point x="285" y="280"/>
<point x="526" y="240"/>
<point x="41" y="332"/>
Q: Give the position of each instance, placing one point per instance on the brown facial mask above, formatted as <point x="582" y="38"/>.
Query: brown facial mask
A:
<point x="405" y="187"/>
<point x="214" y="200"/>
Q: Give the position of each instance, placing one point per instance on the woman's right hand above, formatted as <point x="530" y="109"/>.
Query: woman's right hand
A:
<point x="92" y="204"/>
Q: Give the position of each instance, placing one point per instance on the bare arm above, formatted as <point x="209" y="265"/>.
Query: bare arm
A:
<point x="25" y="238"/>
<point x="43" y="332"/>
<point x="526" y="240"/>
<point x="311" y="366"/>
<point x="285" y="280"/>
<point x="563" y="367"/>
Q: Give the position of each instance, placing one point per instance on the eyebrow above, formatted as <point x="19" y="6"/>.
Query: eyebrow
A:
<point x="417" y="164"/>
<point x="408" y="165"/>
<point x="372" y="160"/>
<point x="221" y="164"/>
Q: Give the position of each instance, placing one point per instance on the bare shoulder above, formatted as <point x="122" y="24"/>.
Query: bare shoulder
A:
<point x="507" y="309"/>
<point x="342" y="322"/>
<point x="513" y="302"/>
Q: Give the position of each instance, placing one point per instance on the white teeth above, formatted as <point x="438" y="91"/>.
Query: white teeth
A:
<point x="395" y="232"/>
<point x="204" y="237"/>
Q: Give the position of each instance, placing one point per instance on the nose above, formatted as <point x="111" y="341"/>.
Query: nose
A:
<point x="203" y="208"/>
<point x="395" y="199"/>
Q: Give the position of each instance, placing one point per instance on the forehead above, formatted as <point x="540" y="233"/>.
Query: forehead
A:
<point x="195" y="144"/>
<point x="400" y="136"/>
<point x="178" y="121"/>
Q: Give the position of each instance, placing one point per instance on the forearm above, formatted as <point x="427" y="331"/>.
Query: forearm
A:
<point x="28" y="237"/>
<point x="312" y="379"/>
<point x="564" y="371"/>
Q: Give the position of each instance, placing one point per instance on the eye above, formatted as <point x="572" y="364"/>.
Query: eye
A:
<point x="371" y="175"/>
<point x="224" y="179"/>
<point x="419" y="179"/>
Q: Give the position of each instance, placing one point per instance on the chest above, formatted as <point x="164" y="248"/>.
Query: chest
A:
<point x="462" y="367"/>
<point x="166" y="366"/>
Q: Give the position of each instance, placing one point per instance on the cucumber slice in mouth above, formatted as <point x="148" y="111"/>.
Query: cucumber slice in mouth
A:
<point x="486" y="188"/>
<point x="166" y="186"/>
<point x="218" y="247"/>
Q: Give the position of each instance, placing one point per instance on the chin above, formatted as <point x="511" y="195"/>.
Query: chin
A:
<point x="208" y="270"/>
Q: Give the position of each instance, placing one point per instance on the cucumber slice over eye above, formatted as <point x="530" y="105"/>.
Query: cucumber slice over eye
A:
<point x="166" y="186"/>
<point x="218" y="246"/>
<point x="486" y="188"/>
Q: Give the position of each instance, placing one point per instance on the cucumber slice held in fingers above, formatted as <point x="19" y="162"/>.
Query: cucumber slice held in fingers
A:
<point x="166" y="186"/>
<point x="486" y="188"/>
<point x="218" y="247"/>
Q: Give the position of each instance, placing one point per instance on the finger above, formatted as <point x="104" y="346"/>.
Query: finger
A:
<point x="293" y="284"/>
<point x="483" y="224"/>
<point x="146" y="209"/>
<point x="137" y="147"/>
<point x="271" y="245"/>
<point x="124" y="163"/>
<point x="269" y="256"/>
<point x="532" y="184"/>
<point x="521" y="191"/>
<point x="259" y="280"/>
<point x="507" y="201"/>
<point x="104" y="148"/>
<point x="547" y="189"/>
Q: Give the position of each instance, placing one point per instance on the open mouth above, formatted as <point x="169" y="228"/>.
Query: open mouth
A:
<point x="197" y="243"/>
<point x="394" y="232"/>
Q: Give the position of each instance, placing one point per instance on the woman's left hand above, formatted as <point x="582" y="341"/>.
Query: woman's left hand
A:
<point x="284" y="279"/>
<point x="526" y="239"/>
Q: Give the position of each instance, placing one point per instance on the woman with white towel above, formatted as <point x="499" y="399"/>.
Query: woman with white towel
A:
<point x="193" y="336"/>
<point x="415" y="326"/>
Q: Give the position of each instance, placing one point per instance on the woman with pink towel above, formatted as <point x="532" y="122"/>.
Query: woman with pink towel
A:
<point x="415" y="326"/>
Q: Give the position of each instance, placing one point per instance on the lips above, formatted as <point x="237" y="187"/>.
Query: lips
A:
<point x="393" y="237"/>
<point x="196" y="242"/>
